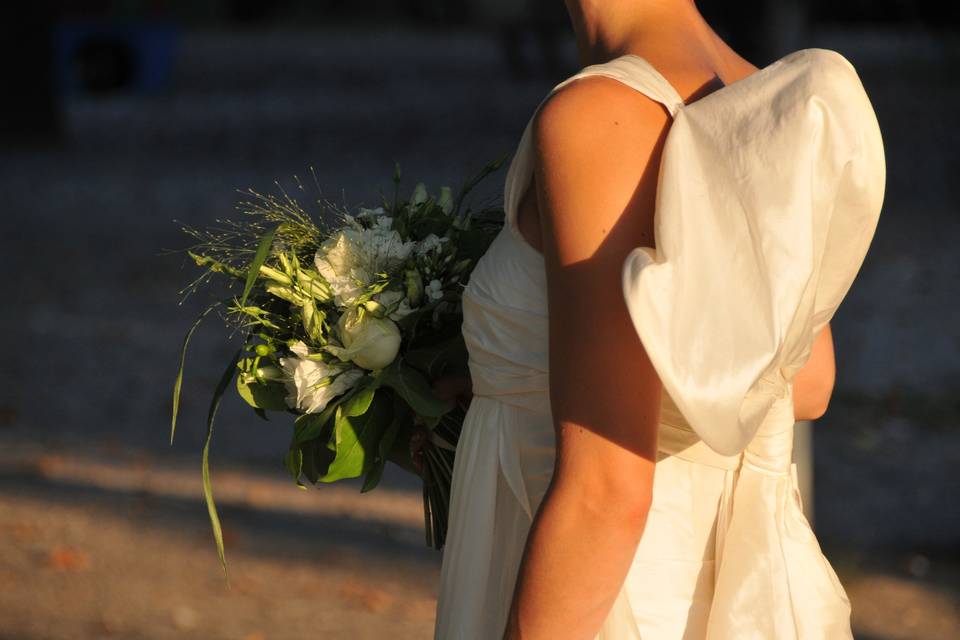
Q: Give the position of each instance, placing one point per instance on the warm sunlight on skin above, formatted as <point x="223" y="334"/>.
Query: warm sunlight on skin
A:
<point x="595" y="190"/>
<point x="813" y="384"/>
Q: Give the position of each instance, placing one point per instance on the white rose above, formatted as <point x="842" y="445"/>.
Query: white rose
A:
<point x="311" y="384"/>
<point x="370" y="342"/>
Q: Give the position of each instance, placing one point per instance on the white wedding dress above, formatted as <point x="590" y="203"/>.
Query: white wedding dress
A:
<point x="768" y="197"/>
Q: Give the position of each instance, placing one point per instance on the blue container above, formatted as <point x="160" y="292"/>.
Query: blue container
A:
<point x="114" y="56"/>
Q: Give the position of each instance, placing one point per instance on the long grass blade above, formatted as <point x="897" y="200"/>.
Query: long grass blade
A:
<point x="263" y="250"/>
<point x="178" y="382"/>
<point x="487" y="169"/>
<point x="225" y="381"/>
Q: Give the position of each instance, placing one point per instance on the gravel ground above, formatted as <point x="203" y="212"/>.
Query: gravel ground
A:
<point x="102" y="532"/>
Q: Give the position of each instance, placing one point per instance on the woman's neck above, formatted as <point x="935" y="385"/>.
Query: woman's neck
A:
<point x="606" y="29"/>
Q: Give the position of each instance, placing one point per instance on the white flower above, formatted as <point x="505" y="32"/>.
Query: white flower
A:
<point x="434" y="289"/>
<point x="389" y="297"/>
<point x="403" y="309"/>
<point x="429" y="243"/>
<point x="370" y="342"/>
<point x="301" y="378"/>
<point x="350" y="259"/>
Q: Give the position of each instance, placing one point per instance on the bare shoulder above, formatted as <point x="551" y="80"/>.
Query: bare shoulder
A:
<point x="596" y="107"/>
<point x="596" y="146"/>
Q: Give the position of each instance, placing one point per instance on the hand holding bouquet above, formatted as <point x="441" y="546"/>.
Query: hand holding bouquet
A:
<point x="354" y="329"/>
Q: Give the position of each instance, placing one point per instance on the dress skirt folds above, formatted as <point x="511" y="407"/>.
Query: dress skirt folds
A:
<point x="768" y="198"/>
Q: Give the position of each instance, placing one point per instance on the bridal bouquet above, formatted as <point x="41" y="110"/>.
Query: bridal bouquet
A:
<point x="346" y="326"/>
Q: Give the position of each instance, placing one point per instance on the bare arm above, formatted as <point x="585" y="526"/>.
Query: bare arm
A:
<point x="813" y="384"/>
<point x="597" y="146"/>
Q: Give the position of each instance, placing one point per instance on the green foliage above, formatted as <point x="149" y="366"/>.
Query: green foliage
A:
<point x="434" y="359"/>
<point x="309" y="426"/>
<point x="400" y="419"/>
<point x="415" y="390"/>
<point x="259" y="258"/>
<point x="225" y="380"/>
<point x="359" y="424"/>
<point x="268" y="396"/>
<point x="487" y="169"/>
<point x="178" y="381"/>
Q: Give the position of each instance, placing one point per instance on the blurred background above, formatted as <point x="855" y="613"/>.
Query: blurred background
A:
<point x="118" y="118"/>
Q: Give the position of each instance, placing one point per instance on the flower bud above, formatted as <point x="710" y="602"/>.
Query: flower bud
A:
<point x="414" y="287"/>
<point x="268" y="373"/>
<point x="370" y="342"/>
<point x="375" y="308"/>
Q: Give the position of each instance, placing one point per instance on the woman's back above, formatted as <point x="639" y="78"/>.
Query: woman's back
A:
<point x="725" y="227"/>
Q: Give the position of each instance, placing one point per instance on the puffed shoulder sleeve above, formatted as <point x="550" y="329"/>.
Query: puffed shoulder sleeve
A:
<point x="769" y="194"/>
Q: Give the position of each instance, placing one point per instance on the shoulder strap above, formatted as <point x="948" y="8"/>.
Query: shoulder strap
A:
<point x="630" y="69"/>
<point x="637" y="73"/>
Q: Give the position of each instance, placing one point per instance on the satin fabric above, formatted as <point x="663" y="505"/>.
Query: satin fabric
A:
<point x="727" y="552"/>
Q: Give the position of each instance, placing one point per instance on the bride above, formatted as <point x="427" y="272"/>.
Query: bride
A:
<point x="680" y="228"/>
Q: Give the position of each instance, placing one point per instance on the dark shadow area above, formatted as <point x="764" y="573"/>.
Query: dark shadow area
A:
<point x="282" y="535"/>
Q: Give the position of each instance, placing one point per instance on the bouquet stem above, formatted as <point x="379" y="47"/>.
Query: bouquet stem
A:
<point x="429" y="453"/>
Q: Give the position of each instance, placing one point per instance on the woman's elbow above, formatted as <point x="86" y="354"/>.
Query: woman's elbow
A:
<point x="637" y="509"/>
<point x="813" y="384"/>
<point x="811" y="401"/>
<point x="620" y="503"/>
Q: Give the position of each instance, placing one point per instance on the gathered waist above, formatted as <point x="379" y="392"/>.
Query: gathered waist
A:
<point x="683" y="442"/>
<point x="673" y="439"/>
<point x="770" y="451"/>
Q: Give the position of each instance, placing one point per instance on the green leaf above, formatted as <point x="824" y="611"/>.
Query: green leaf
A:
<point x="310" y="425"/>
<point x="323" y="456"/>
<point x="358" y="403"/>
<point x="436" y="358"/>
<point x="357" y="434"/>
<point x="396" y="188"/>
<point x="309" y="461"/>
<point x="178" y="381"/>
<point x="372" y="479"/>
<point x="263" y="250"/>
<point x="263" y="396"/>
<point x="313" y="320"/>
<point x="225" y="380"/>
<point x="414" y="283"/>
<point x="415" y="390"/>
<point x="294" y="463"/>
<point x="487" y="169"/>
